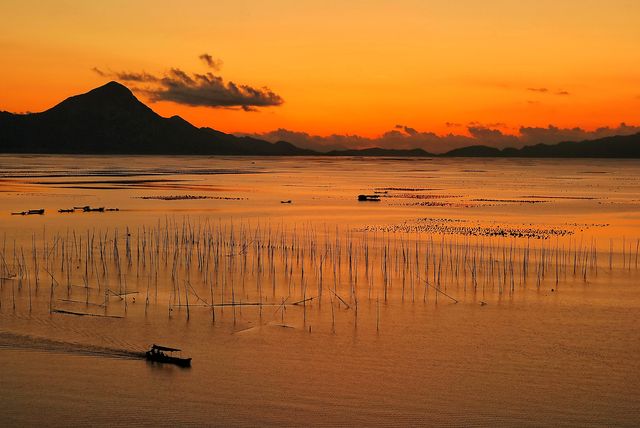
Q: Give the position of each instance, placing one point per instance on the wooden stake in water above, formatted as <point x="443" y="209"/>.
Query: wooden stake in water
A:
<point x="377" y="314"/>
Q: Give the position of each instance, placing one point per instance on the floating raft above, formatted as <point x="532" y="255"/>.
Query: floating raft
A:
<point x="30" y="212"/>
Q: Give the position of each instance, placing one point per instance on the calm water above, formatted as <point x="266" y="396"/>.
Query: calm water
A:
<point x="541" y="255"/>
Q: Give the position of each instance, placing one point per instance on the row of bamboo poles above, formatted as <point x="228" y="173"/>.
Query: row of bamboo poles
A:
<point x="185" y="264"/>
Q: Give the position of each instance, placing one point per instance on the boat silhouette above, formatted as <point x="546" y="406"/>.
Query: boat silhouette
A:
<point x="158" y="354"/>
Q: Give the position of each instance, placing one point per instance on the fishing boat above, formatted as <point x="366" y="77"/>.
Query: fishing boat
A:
<point x="158" y="354"/>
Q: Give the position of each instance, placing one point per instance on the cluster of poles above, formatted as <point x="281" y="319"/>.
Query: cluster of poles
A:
<point x="183" y="264"/>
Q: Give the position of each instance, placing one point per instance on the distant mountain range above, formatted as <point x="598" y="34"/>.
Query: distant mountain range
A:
<point x="111" y="120"/>
<point x="620" y="146"/>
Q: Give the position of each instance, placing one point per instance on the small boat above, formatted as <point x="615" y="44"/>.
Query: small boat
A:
<point x="158" y="355"/>
<point x="30" y="212"/>
<point x="64" y="210"/>
<point x="370" y="198"/>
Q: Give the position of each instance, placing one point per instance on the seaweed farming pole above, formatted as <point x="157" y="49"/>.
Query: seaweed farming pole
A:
<point x="377" y="314"/>
<point x="211" y="293"/>
<point x="610" y="254"/>
<point x="437" y="289"/>
<point x="35" y="261"/>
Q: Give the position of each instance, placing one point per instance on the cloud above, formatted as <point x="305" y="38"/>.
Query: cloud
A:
<point x="397" y="138"/>
<point x="209" y="90"/>
<point x="136" y="77"/>
<point x="407" y="129"/>
<point x="492" y="137"/>
<point x="126" y="76"/>
<point x="198" y="90"/>
<point x="405" y="137"/>
<point x="540" y="90"/>
<point x="99" y="72"/>
<point x="486" y="125"/>
<point x="552" y="134"/>
<point x="316" y="142"/>
<point x="213" y="63"/>
<point x="561" y="92"/>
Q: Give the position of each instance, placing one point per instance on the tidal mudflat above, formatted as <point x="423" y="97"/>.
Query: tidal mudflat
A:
<point x="474" y="292"/>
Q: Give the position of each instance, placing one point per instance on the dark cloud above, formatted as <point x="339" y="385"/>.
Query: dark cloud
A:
<point x="99" y="72"/>
<point x="540" y="90"/>
<point x="561" y="92"/>
<point x="209" y="90"/>
<point x="492" y="137"/>
<point x="487" y="125"/>
<point x="126" y="76"/>
<point x="198" y="90"/>
<point x="397" y="138"/>
<point x="213" y="63"/>
<point x="401" y="138"/>
<point x="322" y="143"/>
<point x="136" y="77"/>
<point x="407" y="129"/>
<point x="553" y="134"/>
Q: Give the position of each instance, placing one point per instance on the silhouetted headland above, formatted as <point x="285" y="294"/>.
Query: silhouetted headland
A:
<point x="111" y="120"/>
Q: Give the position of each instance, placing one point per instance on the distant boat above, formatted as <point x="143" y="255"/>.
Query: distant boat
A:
<point x="157" y="354"/>
<point x="370" y="198"/>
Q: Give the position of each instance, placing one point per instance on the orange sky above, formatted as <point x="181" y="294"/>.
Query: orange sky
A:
<point x="357" y="67"/>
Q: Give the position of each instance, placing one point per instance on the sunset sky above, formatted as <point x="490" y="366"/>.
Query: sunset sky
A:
<point x="416" y="67"/>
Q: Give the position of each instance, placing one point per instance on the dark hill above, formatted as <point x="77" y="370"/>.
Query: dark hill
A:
<point x="474" y="151"/>
<point x="111" y="120"/>
<point x="377" y="151"/>
<point x="620" y="146"/>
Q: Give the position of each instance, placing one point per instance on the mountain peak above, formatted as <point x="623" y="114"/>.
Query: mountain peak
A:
<point x="112" y="99"/>
<point x="112" y="89"/>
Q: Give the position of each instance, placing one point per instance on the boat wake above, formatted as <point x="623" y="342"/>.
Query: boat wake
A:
<point x="19" y="341"/>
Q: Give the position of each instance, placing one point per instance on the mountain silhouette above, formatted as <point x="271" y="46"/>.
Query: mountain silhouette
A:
<point x="619" y="146"/>
<point x="378" y="151"/>
<point x="111" y="120"/>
